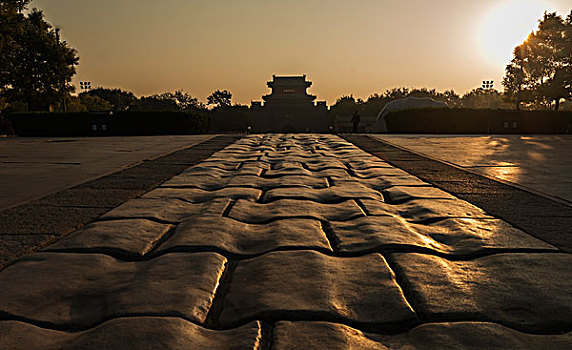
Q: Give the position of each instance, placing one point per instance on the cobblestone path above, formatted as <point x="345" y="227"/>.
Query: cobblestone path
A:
<point x="291" y="242"/>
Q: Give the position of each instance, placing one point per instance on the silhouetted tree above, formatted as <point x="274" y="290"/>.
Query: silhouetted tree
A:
<point x="540" y="71"/>
<point x="482" y="99"/>
<point x="345" y="106"/>
<point x="35" y="66"/>
<point x="155" y="103"/>
<point x="118" y="99"/>
<point x="220" y="98"/>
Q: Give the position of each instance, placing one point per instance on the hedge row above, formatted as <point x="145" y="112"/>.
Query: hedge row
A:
<point x="478" y="121"/>
<point x="118" y="123"/>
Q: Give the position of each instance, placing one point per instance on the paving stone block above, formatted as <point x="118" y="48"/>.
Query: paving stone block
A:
<point x="229" y="166"/>
<point x="426" y="209"/>
<point x="369" y="173"/>
<point x="130" y="237"/>
<point x="213" y="184"/>
<point x="382" y="183"/>
<point x="323" y="164"/>
<point x="253" y="213"/>
<point x="81" y="290"/>
<point x="334" y="194"/>
<point x="251" y="168"/>
<point x="196" y="195"/>
<point x="443" y="336"/>
<point x="525" y="291"/>
<point x="401" y="194"/>
<point x="449" y="236"/>
<point x="369" y="164"/>
<point x="278" y="173"/>
<point x="307" y="283"/>
<point x="245" y="239"/>
<point x="133" y="333"/>
<point x="168" y="209"/>
<point x="306" y="160"/>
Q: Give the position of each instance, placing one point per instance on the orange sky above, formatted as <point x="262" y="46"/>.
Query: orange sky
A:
<point x="344" y="47"/>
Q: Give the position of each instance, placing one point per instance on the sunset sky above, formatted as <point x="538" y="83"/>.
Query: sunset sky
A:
<point x="344" y="47"/>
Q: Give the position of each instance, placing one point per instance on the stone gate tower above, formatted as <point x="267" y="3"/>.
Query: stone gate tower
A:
<point x="289" y="108"/>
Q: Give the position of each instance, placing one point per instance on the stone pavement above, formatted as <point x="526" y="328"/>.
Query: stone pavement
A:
<point x="33" y="167"/>
<point x="291" y="242"/>
<point x="540" y="163"/>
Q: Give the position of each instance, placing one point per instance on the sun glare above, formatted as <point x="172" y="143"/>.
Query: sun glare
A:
<point x="507" y="25"/>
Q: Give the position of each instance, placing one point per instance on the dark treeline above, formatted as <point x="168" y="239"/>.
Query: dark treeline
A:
<point x="36" y="69"/>
<point x="476" y="99"/>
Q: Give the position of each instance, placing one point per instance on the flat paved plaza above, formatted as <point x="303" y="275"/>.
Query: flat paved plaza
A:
<point x="31" y="168"/>
<point x="542" y="163"/>
<point x="294" y="241"/>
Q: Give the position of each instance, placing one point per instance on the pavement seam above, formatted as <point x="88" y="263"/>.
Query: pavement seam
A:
<point x="194" y="153"/>
<point x="536" y="229"/>
<point x="215" y="310"/>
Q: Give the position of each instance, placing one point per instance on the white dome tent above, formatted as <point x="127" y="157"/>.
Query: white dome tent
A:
<point x="405" y="103"/>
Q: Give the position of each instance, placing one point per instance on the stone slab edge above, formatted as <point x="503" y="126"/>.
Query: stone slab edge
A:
<point x="537" y="215"/>
<point x="49" y="218"/>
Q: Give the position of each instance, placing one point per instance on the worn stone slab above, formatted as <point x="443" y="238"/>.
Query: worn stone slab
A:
<point x="369" y="173"/>
<point x="240" y="238"/>
<point x="382" y="183"/>
<point x="307" y="283"/>
<point x="168" y="209"/>
<point x="442" y="336"/>
<point x="279" y="173"/>
<point x="449" y="236"/>
<point x="326" y="164"/>
<point x="249" y="212"/>
<point x="426" y="209"/>
<point x="212" y="184"/>
<point x="129" y="237"/>
<point x="216" y="172"/>
<point x="196" y="195"/>
<point x="525" y="291"/>
<point x="401" y="194"/>
<point x="81" y="290"/>
<point x="369" y="164"/>
<point x="134" y="333"/>
<point x="317" y="158"/>
<point x="334" y="194"/>
<point x="229" y="166"/>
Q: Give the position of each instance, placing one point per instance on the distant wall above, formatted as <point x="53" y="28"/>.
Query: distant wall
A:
<point x="119" y="123"/>
<point x="479" y="121"/>
<point x="230" y="119"/>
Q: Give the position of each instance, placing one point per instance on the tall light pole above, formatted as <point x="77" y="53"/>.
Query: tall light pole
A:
<point x="488" y="86"/>
<point x="64" y="81"/>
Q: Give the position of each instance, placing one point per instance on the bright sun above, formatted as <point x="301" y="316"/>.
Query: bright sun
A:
<point x="507" y="25"/>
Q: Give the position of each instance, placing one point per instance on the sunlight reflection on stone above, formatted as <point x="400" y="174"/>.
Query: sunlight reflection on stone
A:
<point x="507" y="173"/>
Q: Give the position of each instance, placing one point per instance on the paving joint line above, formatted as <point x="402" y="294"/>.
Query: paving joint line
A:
<point x="540" y="217"/>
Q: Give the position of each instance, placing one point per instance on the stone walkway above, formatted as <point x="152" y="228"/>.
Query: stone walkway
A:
<point x="291" y="242"/>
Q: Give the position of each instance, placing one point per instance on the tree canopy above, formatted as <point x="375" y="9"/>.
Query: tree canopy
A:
<point x="220" y="98"/>
<point x="36" y="67"/>
<point x="119" y="100"/>
<point x="540" y="72"/>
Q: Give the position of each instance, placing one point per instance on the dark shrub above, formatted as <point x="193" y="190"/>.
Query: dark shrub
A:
<point x="118" y="123"/>
<point x="478" y="121"/>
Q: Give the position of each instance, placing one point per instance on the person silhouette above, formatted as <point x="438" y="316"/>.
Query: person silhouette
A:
<point x="355" y="121"/>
